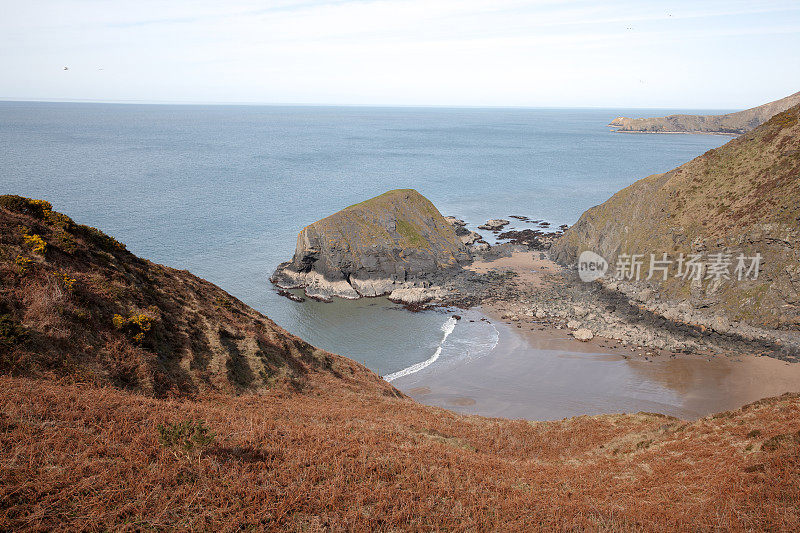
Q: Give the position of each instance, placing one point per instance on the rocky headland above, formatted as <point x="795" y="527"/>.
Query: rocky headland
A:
<point x="134" y="395"/>
<point x="77" y="306"/>
<point x="741" y="200"/>
<point x="729" y="123"/>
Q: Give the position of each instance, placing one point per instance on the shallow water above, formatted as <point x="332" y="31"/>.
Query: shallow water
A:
<point x="223" y="190"/>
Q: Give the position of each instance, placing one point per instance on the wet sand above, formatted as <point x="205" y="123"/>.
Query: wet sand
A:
<point x="538" y="372"/>
<point x="537" y="375"/>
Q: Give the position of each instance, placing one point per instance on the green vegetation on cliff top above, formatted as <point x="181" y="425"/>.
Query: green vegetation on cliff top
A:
<point x="398" y="219"/>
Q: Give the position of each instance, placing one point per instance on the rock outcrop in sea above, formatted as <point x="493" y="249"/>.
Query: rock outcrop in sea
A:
<point x="396" y="244"/>
<point x="494" y="224"/>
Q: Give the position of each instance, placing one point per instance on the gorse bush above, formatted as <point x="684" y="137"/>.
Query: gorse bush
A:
<point x="224" y="303"/>
<point x="65" y="280"/>
<point x="64" y="227"/>
<point x="23" y="263"/>
<point x="20" y="204"/>
<point x="36" y="243"/>
<point x="138" y="324"/>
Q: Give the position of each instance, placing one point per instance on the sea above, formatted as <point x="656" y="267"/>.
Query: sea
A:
<point x="222" y="191"/>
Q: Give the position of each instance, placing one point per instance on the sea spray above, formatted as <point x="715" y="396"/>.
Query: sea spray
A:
<point x="447" y="329"/>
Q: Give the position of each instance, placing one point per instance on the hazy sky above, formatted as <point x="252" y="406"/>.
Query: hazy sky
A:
<point x="702" y="54"/>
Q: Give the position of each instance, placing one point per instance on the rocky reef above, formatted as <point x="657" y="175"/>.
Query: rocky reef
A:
<point x="396" y="244"/>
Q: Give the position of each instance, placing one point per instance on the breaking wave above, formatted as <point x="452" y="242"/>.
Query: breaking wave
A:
<point x="447" y="329"/>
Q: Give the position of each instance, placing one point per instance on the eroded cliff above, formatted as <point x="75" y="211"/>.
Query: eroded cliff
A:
<point x="742" y="199"/>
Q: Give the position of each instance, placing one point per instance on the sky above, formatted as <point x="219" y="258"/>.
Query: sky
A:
<point x="697" y="54"/>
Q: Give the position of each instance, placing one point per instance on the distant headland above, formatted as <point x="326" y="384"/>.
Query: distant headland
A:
<point x="730" y="123"/>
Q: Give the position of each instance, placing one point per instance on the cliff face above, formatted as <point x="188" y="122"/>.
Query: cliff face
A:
<point x="391" y="244"/>
<point x="74" y="304"/>
<point x="740" y="122"/>
<point x="742" y="198"/>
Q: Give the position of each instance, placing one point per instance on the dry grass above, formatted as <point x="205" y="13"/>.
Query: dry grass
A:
<point x="106" y="357"/>
<point x="79" y="457"/>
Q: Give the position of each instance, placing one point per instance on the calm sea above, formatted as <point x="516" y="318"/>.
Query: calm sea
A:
<point x="223" y="190"/>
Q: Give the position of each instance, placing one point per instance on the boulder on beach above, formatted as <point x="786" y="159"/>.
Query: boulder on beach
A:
<point x="583" y="334"/>
<point x="470" y="237"/>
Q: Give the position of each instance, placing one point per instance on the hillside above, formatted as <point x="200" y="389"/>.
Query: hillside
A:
<point x="392" y="243"/>
<point x="75" y="304"/>
<point x="735" y="123"/>
<point x="79" y="458"/>
<point x="121" y="408"/>
<point x="741" y="198"/>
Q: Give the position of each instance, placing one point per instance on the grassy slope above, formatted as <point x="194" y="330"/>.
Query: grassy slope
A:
<point x="74" y="303"/>
<point x="739" y="122"/>
<point x="744" y="196"/>
<point x="329" y="448"/>
<point x="400" y="220"/>
<point x="86" y="458"/>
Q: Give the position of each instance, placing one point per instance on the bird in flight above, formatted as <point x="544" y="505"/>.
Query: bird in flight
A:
<point x="66" y="68"/>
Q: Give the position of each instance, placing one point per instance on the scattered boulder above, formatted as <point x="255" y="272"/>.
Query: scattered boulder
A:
<point x="470" y="238"/>
<point x="579" y="311"/>
<point x="416" y="295"/>
<point x="583" y="334"/>
<point x="456" y="222"/>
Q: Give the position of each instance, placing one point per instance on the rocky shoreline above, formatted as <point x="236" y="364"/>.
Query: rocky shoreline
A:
<point x="624" y="313"/>
<point x="631" y="314"/>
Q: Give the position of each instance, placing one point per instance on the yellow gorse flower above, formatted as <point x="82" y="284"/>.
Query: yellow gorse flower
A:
<point x="36" y="243"/>
<point x="23" y="263"/>
<point x="140" y="323"/>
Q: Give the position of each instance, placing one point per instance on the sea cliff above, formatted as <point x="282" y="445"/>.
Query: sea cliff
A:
<point x="740" y="199"/>
<point x="77" y="306"/>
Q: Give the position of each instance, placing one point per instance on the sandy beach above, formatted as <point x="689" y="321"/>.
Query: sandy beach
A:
<point x="539" y="372"/>
<point x="546" y="375"/>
